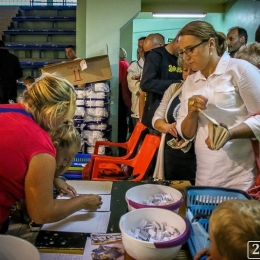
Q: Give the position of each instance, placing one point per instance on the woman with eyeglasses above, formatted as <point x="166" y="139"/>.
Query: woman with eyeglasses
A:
<point x="227" y="90"/>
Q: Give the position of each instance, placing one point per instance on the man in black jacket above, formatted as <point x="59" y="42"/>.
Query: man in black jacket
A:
<point x="159" y="72"/>
<point x="10" y="71"/>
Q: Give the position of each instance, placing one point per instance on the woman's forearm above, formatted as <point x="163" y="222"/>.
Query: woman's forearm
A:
<point x="189" y="125"/>
<point x="162" y="126"/>
<point x="241" y="131"/>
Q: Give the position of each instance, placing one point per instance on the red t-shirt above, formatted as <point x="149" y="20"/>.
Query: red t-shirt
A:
<point x="126" y="94"/>
<point x="20" y="139"/>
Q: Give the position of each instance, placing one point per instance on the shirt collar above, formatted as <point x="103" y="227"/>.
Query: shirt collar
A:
<point x="220" y="69"/>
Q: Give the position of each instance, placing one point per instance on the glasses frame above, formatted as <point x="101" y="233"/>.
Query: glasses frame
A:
<point x="190" y="50"/>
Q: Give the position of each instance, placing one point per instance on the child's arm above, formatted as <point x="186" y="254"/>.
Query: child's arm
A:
<point x="202" y="255"/>
<point x="62" y="187"/>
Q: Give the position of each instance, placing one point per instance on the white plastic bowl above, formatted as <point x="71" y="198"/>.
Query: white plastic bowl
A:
<point x="137" y="194"/>
<point x="15" y="248"/>
<point x="142" y="250"/>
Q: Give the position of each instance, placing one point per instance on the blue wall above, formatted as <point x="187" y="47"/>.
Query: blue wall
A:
<point x="244" y="13"/>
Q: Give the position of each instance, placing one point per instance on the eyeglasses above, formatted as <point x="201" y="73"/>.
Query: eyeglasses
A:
<point x="190" y="50"/>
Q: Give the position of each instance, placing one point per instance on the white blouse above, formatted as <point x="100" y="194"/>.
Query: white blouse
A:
<point x="233" y="93"/>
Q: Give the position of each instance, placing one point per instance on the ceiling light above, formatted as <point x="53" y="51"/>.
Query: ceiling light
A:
<point x="179" y="15"/>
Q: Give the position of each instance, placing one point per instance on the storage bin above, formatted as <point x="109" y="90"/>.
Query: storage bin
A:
<point x="200" y="202"/>
<point x="81" y="160"/>
<point x="75" y="170"/>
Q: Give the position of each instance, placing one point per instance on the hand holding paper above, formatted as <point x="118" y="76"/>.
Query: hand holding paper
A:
<point x="218" y="135"/>
<point x="183" y="145"/>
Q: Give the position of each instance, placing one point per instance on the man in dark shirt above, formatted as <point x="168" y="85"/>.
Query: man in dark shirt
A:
<point x="159" y="72"/>
<point x="10" y="71"/>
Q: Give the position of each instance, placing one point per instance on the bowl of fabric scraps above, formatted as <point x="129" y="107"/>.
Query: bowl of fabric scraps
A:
<point x="153" y="196"/>
<point x="153" y="233"/>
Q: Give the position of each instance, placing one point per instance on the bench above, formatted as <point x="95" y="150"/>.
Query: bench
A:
<point x="48" y="33"/>
<point x="40" y="47"/>
<point x="32" y="65"/>
<point x="52" y="19"/>
<point x="58" y="9"/>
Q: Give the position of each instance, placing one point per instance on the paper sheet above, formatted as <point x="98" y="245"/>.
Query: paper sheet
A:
<point x="93" y="187"/>
<point x="48" y="256"/>
<point x="106" y="199"/>
<point x="88" y="222"/>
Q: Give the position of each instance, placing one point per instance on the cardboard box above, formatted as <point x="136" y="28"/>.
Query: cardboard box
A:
<point x="82" y="71"/>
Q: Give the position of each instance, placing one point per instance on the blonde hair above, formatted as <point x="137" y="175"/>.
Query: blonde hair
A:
<point x="205" y="31"/>
<point x="239" y="224"/>
<point x="67" y="137"/>
<point x="250" y="53"/>
<point x="49" y="99"/>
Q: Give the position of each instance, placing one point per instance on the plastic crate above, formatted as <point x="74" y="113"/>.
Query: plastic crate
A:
<point x="73" y="176"/>
<point x="200" y="202"/>
<point x="81" y="160"/>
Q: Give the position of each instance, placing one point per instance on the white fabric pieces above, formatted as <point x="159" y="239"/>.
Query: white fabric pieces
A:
<point x="154" y="232"/>
<point x="159" y="199"/>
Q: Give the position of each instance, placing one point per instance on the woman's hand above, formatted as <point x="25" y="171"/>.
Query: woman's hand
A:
<point x="171" y="129"/>
<point x="197" y="103"/>
<point x="222" y="139"/>
<point x="64" y="188"/>
<point x="136" y="77"/>
<point x="92" y="202"/>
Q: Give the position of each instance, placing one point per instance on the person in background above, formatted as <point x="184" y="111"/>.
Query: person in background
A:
<point x="250" y="53"/>
<point x="134" y="73"/>
<point x="124" y="100"/>
<point x="236" y="37"/>
<point x="173" y="164"/>
<point x="160" y="71"/>
<point x="10" y="72"/>
<point x="28" y="81"/>
<point x="228" y="90"/>
<point x="233" y="223"/>
<point x="152" y="41"/>
<point x="48" y="103"/>
<point x="257" y="34"/>
<point x="70" y="52"/>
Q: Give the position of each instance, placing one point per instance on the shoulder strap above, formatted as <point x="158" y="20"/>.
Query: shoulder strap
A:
<point x="139" y="65"/>
<point x="17" y="110"/>
<point x="177" y="91"/>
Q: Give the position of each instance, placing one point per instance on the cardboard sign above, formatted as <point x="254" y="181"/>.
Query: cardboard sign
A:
<point x="82" y="71"/>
